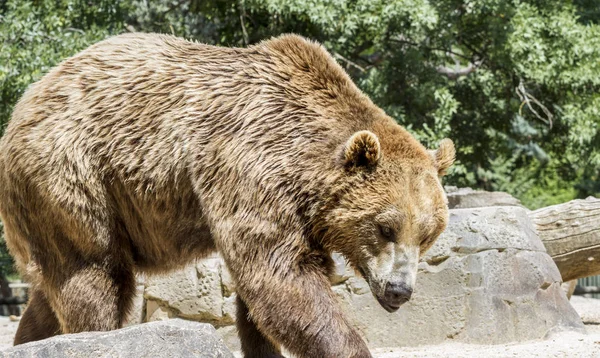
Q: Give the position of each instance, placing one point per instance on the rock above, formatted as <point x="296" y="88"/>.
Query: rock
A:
<point x="172" y="338"/>
<point x="487" y="280"/>
<point x="358" y="286"/>
<point x="136" y="315"/>
<point x="227" y="281"/>
<point x="475" y="230"/>
<point x="341" y="271"/>
<point x="193" y="293"/>
<point x="14" y="318"/>
<point x="229" y="310"/>
<point x="569" y="287"/>
<point x="464" y="198"/>
<point x="155" y="312"/>
<point x="230" y="336"/>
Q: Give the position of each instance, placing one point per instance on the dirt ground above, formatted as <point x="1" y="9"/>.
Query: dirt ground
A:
<point x="7" y="332"/>
<point x="564" y="344"/>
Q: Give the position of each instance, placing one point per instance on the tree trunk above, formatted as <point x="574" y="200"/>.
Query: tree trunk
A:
<point x="571" y="234"/>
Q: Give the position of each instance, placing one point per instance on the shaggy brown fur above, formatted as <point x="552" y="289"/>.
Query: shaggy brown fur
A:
<point x="145" y="152"/>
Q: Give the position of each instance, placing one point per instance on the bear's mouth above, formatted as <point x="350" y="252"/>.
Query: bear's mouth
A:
<point x="391" y="308"/>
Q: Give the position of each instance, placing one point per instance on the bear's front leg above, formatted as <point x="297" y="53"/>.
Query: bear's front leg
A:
<point x="295" y="306"/>
<point x="254" y="343"/>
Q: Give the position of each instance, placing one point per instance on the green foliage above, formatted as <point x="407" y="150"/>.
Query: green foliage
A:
<point x="515" y="83"/>
<point x="38" y="34"/>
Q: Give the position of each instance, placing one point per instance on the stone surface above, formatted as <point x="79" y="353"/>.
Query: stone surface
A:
<point x="229" y="335"/>
<point x="474" y="230"/>
<point x="195" y="292"/>
<point x="463" y="198"/>
<point x="172" y="338"/>
<point x="487" y="280"/>
<point x="341" y="271"/>
<point x="136" y="315"/>
<point x="569" y="287"/>
<point x="156" y="312"/>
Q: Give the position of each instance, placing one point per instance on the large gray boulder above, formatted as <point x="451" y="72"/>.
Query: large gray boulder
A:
<point x="486" y="280"/>
<point x="172" y="338"/>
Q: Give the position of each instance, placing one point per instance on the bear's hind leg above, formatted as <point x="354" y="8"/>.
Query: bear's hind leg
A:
<point x="254" y="343"/>
<point x="93" y="298"/>
<point x="38" y="321"/>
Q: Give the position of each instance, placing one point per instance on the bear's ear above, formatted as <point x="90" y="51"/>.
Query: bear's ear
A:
<point x="362" y="150"/>
<point x="444" y="156"/>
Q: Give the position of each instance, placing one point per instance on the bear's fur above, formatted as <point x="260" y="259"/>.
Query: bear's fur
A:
<point x="145" y="152"/>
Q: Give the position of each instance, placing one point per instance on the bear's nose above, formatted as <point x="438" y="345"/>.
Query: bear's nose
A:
<point x="397" y="293"/>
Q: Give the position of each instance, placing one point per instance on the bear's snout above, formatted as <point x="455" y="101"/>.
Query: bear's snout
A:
<point x="395" y="295"/>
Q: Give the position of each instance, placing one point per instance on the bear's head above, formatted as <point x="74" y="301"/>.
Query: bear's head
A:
<point x="390" y="208"/>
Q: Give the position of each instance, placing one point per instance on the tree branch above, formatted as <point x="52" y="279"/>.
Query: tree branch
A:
<point x="471" y="48"/>
<point x="458" y="71"/>
<point x="527" y="99"/>
<point x="242" y="10"/>
<point x="72" y="29"/>
<point x="403" y="40"/>
<point x="452" y="73"/>
<point x="353" y="64"/>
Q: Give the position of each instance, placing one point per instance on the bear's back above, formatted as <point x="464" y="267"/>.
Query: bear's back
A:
<point x="146" y="103"/>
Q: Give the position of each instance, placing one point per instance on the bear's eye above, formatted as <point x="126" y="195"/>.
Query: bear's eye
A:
<point x="387" y="232"/>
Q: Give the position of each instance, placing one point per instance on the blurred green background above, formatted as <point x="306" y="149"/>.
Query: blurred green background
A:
<point x="514" y="83"/>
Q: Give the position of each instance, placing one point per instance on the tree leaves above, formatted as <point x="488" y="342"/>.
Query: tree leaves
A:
<point x="480" y="72"/>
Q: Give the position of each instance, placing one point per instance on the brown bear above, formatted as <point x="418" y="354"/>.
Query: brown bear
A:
<point x="145" y="152"/>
